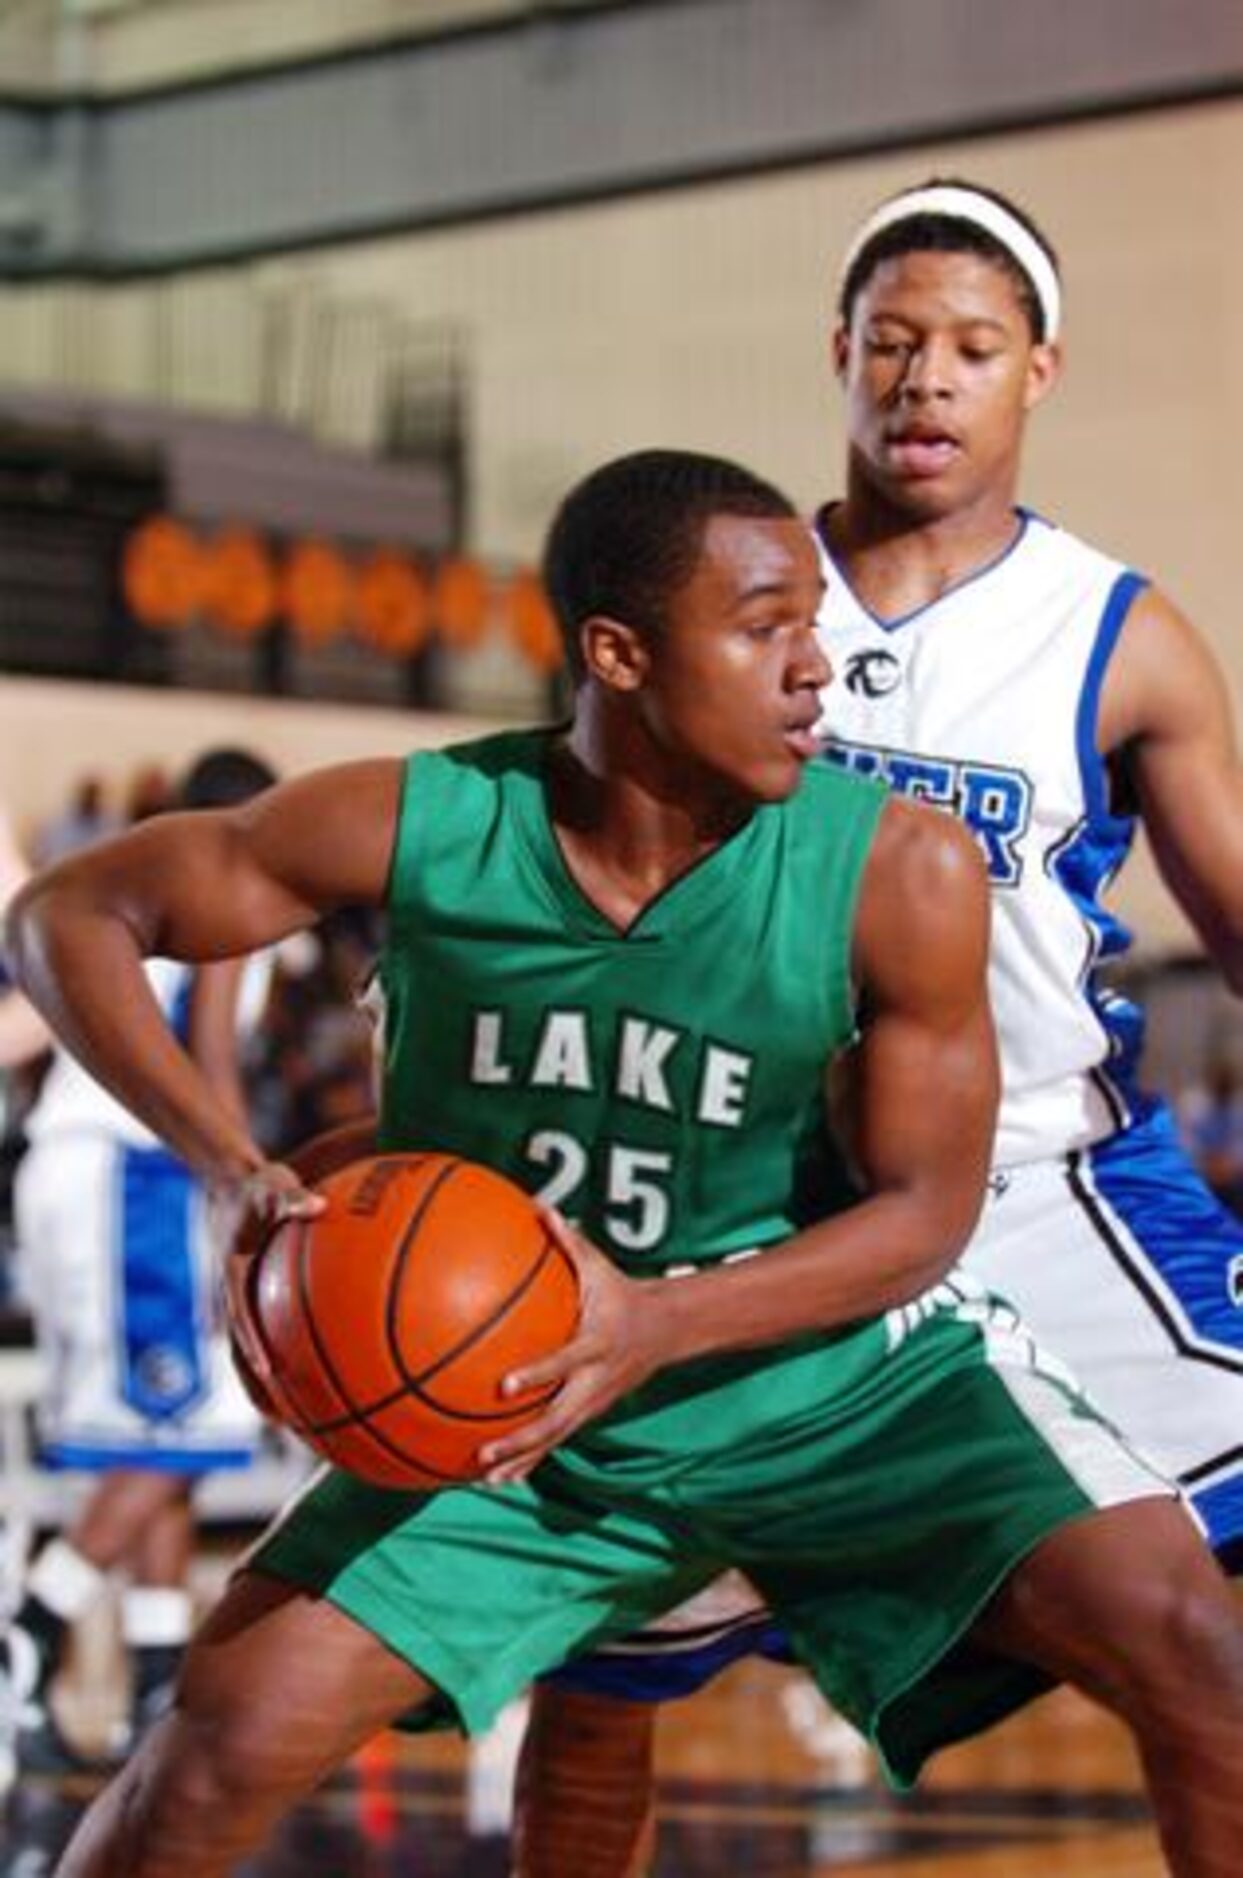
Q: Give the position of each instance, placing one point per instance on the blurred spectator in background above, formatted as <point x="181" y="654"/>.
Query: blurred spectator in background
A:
<point x="151" y="791"/>
<point x="118" y="1248"/>
<point x="24" y="1042"/>
<point x="1210" y="1121"/>
<point x="13" y="866"/>
<point x="310" y="1069"/>
<point x="84" y="819"/>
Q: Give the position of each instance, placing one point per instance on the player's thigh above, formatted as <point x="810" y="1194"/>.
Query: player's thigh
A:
<point x="1124" y="1603"/>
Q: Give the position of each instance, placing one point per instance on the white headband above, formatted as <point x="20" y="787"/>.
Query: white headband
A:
<point x="967" y="205"/>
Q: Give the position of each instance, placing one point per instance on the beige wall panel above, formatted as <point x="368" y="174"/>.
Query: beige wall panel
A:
<point x="158" y="44"/>
<point x="51" y="734"/>
<point x="700" y="318"/>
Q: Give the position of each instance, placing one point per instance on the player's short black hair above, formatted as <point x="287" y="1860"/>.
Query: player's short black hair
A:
<point x="221" y="777"/>
<point x="628" y="536"/>
<point x="948" y="234"/>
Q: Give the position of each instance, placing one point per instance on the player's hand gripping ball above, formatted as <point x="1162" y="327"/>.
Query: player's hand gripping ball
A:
<point x="389" y="1320"/>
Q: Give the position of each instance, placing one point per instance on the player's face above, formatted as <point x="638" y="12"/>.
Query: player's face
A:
<point x="940" y="371"/>
<point x="732" y="689"/>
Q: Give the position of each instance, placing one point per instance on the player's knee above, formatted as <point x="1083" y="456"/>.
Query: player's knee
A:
<point x="1178" y="1634"/>
<point x="203" y="1783"/>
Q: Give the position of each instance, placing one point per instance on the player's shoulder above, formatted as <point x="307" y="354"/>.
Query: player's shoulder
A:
<point x="922" y="856"/>
<point x="477" y="766"/>
<point x="1162" y="672"/>
<point x="924" y="910"/>
<point x="827" y="782"/>
<point x="832" y="807"/>
<point x="453" y="798"/>
<point x="1044" y="538"/>
<point x="490" y="757"/>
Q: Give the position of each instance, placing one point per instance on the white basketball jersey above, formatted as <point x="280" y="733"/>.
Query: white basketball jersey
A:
<point x="71" y="1102"/>
<point x="985" y="703"/>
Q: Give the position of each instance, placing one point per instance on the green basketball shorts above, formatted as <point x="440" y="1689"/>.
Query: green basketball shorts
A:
<point x="877" y="1485"/>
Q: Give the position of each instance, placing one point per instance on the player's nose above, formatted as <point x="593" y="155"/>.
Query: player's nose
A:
<point x="928" y="372"/>
<point x="809" y="662"/>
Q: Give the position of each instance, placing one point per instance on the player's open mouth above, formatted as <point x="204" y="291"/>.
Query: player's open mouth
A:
<point x="802" y="739"/>
<point x="922" y="453"/>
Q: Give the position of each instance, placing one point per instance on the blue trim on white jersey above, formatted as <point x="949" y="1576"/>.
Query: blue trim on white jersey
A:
<point x="1092" y="767"/>
<point x="1024" y="518"/>
<point x="1086" y="863"/>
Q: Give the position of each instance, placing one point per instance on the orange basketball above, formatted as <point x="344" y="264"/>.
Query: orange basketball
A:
<point x="390" y="1319"/>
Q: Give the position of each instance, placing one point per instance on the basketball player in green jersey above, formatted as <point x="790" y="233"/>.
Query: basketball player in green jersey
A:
<point x="622" y="961"/>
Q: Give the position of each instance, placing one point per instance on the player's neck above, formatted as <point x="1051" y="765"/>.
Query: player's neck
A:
<point x="897" y="563"/>
<point x="627" y="833"/>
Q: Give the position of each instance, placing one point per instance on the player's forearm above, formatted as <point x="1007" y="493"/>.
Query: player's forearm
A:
<point x="880" y="1254"/>
<point x="83" y="971"/>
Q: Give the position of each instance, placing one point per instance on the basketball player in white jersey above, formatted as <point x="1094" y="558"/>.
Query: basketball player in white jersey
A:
<point x="117" y="1253"/>
<point x="988" y="661"/>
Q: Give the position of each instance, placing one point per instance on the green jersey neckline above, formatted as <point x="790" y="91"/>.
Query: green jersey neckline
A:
<point x="703" y="886"/>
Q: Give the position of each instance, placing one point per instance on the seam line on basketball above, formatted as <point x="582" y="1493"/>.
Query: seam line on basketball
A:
<point x="415" y="1383"/>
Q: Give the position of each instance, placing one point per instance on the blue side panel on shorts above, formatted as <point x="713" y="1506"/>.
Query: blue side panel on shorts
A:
<point x="656" y="1666"/>
<point x="79" y="1456"/>
<point x="1189" y="1261"/>
<point x="1221" y="1508"/>
<point x="161" y="1359"/>
<point x="1183" y="1250"/>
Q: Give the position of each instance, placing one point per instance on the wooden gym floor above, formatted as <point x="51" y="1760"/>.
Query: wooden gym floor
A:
<point x="757" y="1781"/>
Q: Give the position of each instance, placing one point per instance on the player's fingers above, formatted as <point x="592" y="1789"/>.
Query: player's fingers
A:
<point x="295" y="1203"/>
<point x="507" y="1467"/>
<point x="579" y="1249"/>
<point x="275" y="1193"/>
<point x="551" y="1371"/>
<point x="512" y="1459"/>
<point x="514" y="1455"/>
<point x="264" y="1200"/>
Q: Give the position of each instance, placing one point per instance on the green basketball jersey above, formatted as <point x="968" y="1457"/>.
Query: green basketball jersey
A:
<point x="664" y="1086"/>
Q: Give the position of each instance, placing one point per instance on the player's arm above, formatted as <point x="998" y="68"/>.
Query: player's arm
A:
<point x="212" y="1038"/>
<point x="1166" y="715"/>
<point x="923" y="1106"/>
<point x="925" y="1090"/>
<point x="199" y="886"/>
<point x="313" y="1161"/>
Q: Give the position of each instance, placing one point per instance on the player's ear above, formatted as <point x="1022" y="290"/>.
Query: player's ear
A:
<point x="839" y="349"/>
<point x="613" y="652"/>
<point x="1044" y="368"/>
